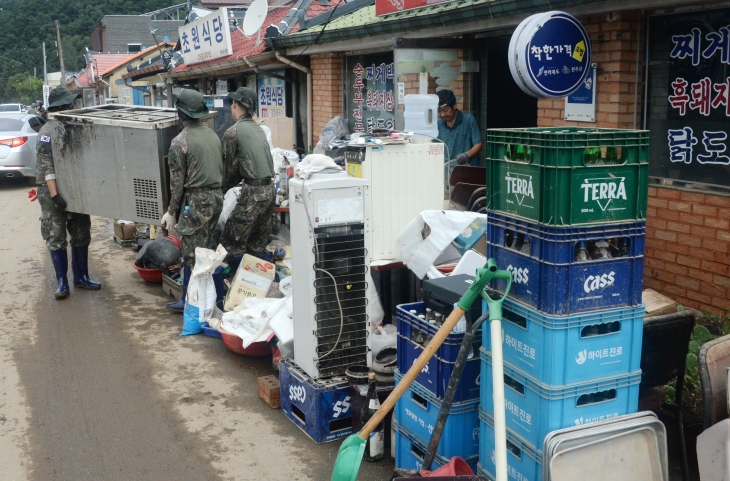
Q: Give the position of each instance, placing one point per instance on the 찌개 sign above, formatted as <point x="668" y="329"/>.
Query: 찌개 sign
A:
<point x="206" y="38"/>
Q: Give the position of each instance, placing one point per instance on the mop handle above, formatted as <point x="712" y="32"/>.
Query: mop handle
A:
<point x="483" y="276"/>
<point x="500" y="426"/>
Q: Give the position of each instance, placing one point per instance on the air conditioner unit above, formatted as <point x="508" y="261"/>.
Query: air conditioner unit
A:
<point x="330" y="264"/>
<point x="405" y="179"/>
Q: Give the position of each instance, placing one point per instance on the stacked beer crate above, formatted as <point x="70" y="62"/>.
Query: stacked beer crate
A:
<point x="567" y="209"/>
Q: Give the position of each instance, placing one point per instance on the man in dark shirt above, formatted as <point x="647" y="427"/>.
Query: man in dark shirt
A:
<point x="458" y="130"/>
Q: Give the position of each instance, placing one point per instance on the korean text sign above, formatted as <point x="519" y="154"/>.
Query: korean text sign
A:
<point x="206" y="38"/>
<point x="689" y="103"/>
<point x="272" y="97"/>
<point x="370" y="100"/>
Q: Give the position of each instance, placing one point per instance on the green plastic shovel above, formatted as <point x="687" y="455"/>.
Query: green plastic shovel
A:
<point x="350" y="454"/>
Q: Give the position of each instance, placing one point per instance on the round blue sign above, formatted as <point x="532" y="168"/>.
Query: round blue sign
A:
<point x="557" y="55"/>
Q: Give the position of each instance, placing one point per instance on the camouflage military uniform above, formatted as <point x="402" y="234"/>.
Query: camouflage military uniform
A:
<point x="196" y="171"/>
<point x="247" y="157"/>
<point x="54" y="221"/>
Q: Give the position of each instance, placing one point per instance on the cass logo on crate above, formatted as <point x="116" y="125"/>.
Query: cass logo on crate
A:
<point x="341" y="407"/>
<point x="586" y="355"/>
<point x="425" y="368"/>
<point x="594" y="283"/>
<point x="297" y="393"/>
<point x="520" y="185"/>
<point x="519" y="275"/>
<point x="581" y="420"/>
<point x="603" y="191"/>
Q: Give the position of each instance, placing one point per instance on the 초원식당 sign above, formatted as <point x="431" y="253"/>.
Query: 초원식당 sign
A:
<point x="689" y="111"/>
<point x="206" y="38"/>
<point x="272" y="97"/>
<point x="550" y="55"/>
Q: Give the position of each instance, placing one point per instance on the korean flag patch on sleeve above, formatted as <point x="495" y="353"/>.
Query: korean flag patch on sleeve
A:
<point x="45" y="138"/>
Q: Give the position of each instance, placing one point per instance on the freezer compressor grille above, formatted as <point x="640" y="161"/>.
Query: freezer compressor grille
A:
<point x="145" y="188"/>
<point x="340" y="251"/>
<point x="147" y="209"/>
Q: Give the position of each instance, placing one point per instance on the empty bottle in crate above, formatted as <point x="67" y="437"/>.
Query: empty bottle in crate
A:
<point x="375" y="446"/>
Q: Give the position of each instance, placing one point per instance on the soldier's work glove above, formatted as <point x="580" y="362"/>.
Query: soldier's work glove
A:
<point x="58" y="200"/>
<point x="167" y="221"/>
<point x="462" y="159"/>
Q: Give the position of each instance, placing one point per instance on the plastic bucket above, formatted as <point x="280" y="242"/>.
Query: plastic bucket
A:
<point x="456" y="467"/>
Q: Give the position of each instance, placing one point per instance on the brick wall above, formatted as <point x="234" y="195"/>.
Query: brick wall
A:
<point x="688" y="248"/>
<point x="614" y="51"/>
<point x="327" y="92"/>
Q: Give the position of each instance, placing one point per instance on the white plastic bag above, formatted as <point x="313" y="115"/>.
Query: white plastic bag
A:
<point x="418" y="253"/>
<point x="229" y="203"/>
<point x="201" y="296"/>
<point x="314" y="163"/>
<point x="267" y="131"/>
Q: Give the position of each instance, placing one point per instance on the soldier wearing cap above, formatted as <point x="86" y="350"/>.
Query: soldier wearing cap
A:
<point x="247" y="158"/>
<point x="196" y="172"/>
<point x="55" y="220"/>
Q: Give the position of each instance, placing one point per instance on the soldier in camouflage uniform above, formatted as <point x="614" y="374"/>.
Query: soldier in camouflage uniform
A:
<point x="196" y="172"/>
<point x="55" y="221"/>
<point x="247" y="158"/>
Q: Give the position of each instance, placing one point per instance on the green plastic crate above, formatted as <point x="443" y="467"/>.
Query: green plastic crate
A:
<point x="568" y="175"/>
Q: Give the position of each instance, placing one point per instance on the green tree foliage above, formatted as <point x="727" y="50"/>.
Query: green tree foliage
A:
<point x="26" y="24"/>
<point x="25" y="88"/>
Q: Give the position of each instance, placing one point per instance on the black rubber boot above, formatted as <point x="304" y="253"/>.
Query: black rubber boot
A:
<point x="178" y="307"/>
<point x="60" y="265"/>
<point x="80" y="263"/>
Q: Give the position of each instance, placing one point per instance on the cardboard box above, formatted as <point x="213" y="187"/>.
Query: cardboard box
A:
<point x="657" y="304"/>
<point x="125" y="231"/>
<point x="253" y="279"/>
<point x="272" y="403"/>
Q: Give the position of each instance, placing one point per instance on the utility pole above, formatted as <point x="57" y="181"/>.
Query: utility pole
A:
<point x="45" y="72"/>
<point x="60" y="54"/>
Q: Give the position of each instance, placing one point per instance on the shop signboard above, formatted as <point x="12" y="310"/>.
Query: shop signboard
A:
<point x="370" y="98"/>
<point x="384" y="7"/>
<point x="550" y="55"/>
<point x="206" y="38"/>
<point x="580" y="106"/>
<point x="689" y="97"/>
<point x="272" y="97"/>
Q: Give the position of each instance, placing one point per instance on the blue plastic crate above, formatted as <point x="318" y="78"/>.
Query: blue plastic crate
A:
<point x="417" y="411"/>
<point x="546" y="276"/>
<point x="566" y="350"/>
<point x="410" y="326"/>
<point x="436" y="374"/>
<point x="524" y="462"/>
<point x="320" y="408"/>
<point x="535" y="409"/>
<point x="409" y="452"/>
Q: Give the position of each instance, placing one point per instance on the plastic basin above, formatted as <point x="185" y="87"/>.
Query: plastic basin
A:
<point x="150" y="275"/>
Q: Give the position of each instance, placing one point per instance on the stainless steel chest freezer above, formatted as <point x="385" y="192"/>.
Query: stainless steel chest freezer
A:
<point x="111" y="160"/>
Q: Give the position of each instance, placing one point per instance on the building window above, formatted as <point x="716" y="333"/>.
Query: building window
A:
<point x="134" y="47"/>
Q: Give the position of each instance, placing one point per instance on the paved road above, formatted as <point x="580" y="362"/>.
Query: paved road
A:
<point x="101" y="386"/>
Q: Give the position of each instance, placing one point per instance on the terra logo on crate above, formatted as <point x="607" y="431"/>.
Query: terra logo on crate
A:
<point x="603" y="191"/>
<point x="520" y="185"/>
<point x="593" y="283"/>
<point x="341" y="407"/>
<point x="297" y="393"/>
<point x="519" y="275"/>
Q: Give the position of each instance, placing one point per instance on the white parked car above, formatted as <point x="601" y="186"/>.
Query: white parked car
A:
<point x="18" y="137"/>
<point x="12" y="108"/>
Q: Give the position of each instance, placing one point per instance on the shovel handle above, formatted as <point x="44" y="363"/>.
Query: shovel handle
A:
<point x="413" y="372"/>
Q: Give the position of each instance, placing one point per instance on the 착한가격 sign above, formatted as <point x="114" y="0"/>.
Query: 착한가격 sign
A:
<point x="550" y="55"/>
<point x="691" y="87"/>
<point x="206" y="38"/>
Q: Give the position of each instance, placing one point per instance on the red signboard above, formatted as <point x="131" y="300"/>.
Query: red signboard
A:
<point x="384" y="7"/>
